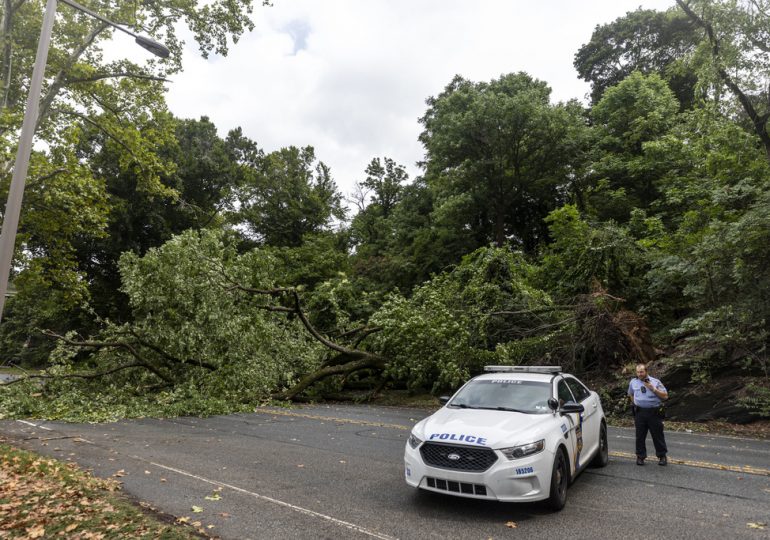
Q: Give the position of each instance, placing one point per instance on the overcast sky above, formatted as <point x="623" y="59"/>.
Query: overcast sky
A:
<point x="350" y="77"/>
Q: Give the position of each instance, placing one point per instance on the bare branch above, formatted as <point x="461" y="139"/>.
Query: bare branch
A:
<point x="106" y="132"/>
<point x="761" y="10"/>
<point x="365" y="334"/>
<point x="275" y="309"/>
<point x="168" y="356"/>
<point x="352" y="332"/>
<point x="58" y="82"/>
<point x="764" y="47"/>
<point x="535" y="311"/>
<point x="106" y="107"/>
<point x="327" y="343"/>
<point x="538" y="329"/>
<point x="48" y="176"/>
<point x="129" y="74"/>
<point x="110" y="345"/>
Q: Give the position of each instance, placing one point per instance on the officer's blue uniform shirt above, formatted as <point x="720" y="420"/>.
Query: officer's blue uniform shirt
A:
<point x="643" y="396"/>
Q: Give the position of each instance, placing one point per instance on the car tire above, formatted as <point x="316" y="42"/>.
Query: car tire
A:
<point x="602" y="456"/>
<point x="559" y="481"/>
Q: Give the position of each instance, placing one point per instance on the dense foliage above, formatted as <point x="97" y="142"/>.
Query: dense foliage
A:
<point x="163" y="269"/>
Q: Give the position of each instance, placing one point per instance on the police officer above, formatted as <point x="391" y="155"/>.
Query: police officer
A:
<point x="647" y="395"/>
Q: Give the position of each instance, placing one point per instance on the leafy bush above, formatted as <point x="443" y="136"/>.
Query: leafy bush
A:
<point x="758" y="400"/>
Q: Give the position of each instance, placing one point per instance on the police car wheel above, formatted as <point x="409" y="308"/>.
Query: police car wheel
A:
<point x="602" y="456"/>
<point x="559" y="481"/>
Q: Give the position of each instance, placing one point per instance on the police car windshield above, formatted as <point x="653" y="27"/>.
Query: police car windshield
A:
<point x="504" y="394"/>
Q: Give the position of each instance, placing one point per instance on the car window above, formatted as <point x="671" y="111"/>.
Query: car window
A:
<point x="578" y="390"/>
<point x="564" y="393"/>
<point x="524" y="396"/>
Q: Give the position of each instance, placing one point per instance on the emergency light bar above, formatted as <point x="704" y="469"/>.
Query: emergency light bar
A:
<point x="523" y="369"/>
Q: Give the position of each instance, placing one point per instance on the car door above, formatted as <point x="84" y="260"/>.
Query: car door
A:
<point x="573" y="423"/>
<point x="591" y="417"/>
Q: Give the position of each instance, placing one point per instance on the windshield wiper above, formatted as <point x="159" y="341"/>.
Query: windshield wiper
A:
<point x="509" y="409"/>
<point x="463" y="406"/>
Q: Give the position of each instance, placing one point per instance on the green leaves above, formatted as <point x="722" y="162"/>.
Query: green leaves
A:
<point x="495" y="154"/>
<point x="288" y="196"/>
<point x="460" y="311"/>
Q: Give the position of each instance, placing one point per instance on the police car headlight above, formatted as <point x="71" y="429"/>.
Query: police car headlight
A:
<point x="516" y="452"/>
<point x="414" y="442"/>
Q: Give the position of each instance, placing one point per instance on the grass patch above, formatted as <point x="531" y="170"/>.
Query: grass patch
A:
<point x="45" y="498"/>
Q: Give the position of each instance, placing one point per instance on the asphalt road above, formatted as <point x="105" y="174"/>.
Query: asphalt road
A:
<point x="336" y="472"/>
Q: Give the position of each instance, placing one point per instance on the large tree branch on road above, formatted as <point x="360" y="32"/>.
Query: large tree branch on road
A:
<point x="371" y="362"/>
<point x="128" y="347"/>
<point x="81" y="375"/>
<point x="346" y="362"/>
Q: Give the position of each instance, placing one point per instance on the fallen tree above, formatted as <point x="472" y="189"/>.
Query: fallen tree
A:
<point x="213" y="332"/>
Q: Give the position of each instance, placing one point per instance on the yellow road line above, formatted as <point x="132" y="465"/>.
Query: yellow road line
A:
<point x="745" y="469"/>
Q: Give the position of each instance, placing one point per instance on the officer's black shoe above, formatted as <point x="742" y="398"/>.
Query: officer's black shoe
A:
<point x="663" y="461"/>
<point x="640" y="461"/>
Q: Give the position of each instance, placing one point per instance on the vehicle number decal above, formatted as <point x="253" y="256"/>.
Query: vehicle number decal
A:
<point x="525" y="470"/>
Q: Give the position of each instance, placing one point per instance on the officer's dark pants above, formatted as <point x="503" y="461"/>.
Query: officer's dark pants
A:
<point x="649" y="420"/>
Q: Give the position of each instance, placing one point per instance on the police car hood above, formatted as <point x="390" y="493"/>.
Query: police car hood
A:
<point x="495" y="429"/>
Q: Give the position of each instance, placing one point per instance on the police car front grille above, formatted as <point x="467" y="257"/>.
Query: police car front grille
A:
<point x="456" y="487"/>
<point x="464" y="458"/>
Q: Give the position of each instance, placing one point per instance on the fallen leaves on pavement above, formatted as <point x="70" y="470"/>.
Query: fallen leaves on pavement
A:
<point x="45" y="498"/>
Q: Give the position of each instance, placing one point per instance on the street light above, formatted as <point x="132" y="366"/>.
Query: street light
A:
<point x="16" y="192"/>
<point x="158" y="49"/>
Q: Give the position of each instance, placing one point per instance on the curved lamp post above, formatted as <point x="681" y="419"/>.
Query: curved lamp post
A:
<point x="16" y="192"/>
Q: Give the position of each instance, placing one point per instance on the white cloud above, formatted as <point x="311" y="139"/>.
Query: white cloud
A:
<point x="350" y="77"/>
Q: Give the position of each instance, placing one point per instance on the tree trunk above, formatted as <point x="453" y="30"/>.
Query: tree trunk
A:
<point x="368" y="362"/>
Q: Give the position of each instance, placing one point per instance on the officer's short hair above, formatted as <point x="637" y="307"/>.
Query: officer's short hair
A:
<point x="642" y="364"/>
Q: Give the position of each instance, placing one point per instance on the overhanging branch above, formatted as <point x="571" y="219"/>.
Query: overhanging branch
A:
<point x="128" y="74"/>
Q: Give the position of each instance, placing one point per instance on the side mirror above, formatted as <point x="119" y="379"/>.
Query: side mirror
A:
<point x="443" y="400"/>
<point x="572" y="407"/>
<point x="553" y="404"/>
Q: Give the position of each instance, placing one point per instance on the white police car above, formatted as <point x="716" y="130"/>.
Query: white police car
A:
<point x="516" y="433"/>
